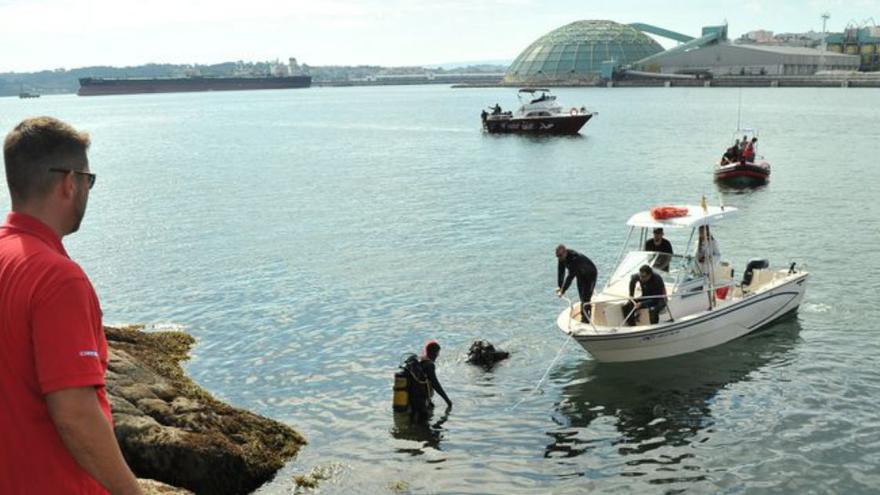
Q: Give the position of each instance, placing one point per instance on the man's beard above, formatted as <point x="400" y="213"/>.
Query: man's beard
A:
<point x="79" y="211"/>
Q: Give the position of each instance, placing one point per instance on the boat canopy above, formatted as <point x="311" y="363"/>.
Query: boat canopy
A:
<point x="534" y="90"/>
<point x="695" y="217"/>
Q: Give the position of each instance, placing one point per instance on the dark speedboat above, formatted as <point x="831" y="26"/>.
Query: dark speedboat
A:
<point x="743" y="175"/>
<point x="538" y="114"/>
<point x="737" y="172"/>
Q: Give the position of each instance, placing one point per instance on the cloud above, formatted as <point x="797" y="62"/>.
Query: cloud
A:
<point x="71" y="16"/>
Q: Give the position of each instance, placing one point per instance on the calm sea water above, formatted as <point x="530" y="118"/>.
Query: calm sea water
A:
<point x="310" y="238"/>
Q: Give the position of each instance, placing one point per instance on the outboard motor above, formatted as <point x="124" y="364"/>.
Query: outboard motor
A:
<point x="754" y="264"/>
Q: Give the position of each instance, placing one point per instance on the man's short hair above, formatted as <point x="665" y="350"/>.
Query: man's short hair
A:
<point x="658" y="230"/>
<point x="645" y="270"/>
<point x="560" y="249"/>
<point x="33" y="147"/>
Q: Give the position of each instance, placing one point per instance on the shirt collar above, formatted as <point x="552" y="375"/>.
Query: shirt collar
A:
<point x="22" y="222"/>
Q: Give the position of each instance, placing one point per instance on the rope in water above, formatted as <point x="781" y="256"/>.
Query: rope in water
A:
<point x="544" y="376"/>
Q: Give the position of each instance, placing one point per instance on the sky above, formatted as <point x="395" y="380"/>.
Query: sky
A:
<point x="49" y="34"/>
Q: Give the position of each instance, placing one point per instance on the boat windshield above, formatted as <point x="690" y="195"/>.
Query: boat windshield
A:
<point x="679" y="267"/>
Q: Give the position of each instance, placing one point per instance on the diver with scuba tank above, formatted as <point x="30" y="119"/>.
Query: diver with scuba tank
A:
<point x="416" y="383"/>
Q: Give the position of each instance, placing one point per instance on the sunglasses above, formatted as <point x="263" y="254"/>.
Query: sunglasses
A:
<point x="92" y="177"/>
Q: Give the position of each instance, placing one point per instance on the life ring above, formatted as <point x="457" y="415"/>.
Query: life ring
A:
<point x="664" y="212"/>
<point x="574" y="111"/>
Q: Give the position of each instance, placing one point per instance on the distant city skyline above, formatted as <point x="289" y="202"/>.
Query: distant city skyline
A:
<point x="48" y="34"/>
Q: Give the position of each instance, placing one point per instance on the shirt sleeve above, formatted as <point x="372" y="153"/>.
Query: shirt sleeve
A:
<point x="560" y="274"/>
<point x="66" y="350"/>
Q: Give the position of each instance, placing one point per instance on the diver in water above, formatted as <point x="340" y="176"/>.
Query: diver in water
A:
<point x="425" y="382"/>
<point x="432" y="352"/>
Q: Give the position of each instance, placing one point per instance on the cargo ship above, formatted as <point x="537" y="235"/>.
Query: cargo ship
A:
<point x="95" y="86"/>
<point x="279" y="76"/>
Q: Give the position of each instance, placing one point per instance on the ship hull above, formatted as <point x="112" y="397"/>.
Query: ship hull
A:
<point x="100" y="87"/>
<point x="743" y="175"/>
<point x="537" y="125"/>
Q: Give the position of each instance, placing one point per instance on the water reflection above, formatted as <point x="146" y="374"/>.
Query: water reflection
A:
<point x="656" y="404"/>
<point x="739" y="190"/>
<point x="427" y="432"/>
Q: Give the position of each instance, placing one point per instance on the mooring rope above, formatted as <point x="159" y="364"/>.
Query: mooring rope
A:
<point x="544" y="377"/>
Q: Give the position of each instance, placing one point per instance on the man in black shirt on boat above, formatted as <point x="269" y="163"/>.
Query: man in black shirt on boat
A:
<point x="578" y="266"/>
<point x="731" y="155"/>
<point x="659" y="244"/>
<point x="653" y="296"/>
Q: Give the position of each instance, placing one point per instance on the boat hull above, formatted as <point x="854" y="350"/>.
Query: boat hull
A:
<point x="692" y="333"/>
<point x="743" y="174"/>
<point x="563" y="124"/>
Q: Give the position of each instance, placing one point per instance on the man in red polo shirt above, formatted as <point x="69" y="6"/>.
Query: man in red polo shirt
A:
<point x="56" y="432"/>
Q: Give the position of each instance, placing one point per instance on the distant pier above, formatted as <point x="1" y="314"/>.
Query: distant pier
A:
<point x="858" y="80"/>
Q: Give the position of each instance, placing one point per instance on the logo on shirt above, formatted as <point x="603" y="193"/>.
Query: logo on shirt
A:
<point x="93" y="354"/>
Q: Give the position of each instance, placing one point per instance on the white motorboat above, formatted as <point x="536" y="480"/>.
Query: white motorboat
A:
<point x="703" y="309"/>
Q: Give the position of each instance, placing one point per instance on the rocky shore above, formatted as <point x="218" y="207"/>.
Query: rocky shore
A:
<point x="175" y="432"/>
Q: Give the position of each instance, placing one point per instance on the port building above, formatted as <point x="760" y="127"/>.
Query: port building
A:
<point x="576" y="52"/>
<point x="726" y="59"/>
<point x="863" y="42"/>
<point x="584" y="52"/>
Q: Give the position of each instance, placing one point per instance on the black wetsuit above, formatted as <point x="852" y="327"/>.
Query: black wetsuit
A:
<point x="431" y="372"/>
<point x="664" y="247"/>
<point x="732" y="154"/>
<point x="654" y="286"/>
<point x="583" y="268"/>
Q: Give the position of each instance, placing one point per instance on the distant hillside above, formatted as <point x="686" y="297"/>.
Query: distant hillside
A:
<point x="67" y="81"/>
<point x="499" y="65"/>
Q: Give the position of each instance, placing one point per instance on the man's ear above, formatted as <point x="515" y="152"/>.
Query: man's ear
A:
<point x="67" y="186"/>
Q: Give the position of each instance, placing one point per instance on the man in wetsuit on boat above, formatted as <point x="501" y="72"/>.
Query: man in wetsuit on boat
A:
<point x="578" y="266"/>
<point x="731" y="155"/>
<point x="653" y="296"/>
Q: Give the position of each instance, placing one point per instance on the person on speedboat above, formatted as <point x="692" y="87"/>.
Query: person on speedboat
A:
<point x="578" y="266"/>
<point x="653" y="296"/>
<point x="731" y="155"/>
<point x="708" y="256"/>
<point x="749" y="151"/>
<point x="660" y="245"/>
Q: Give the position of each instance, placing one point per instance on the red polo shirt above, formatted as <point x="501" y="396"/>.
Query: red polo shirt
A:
<point x="51" y="339"/>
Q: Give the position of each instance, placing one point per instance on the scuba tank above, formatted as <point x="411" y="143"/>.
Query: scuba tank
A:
<point x="411" y="377"/>
<point x="400" y="402"/>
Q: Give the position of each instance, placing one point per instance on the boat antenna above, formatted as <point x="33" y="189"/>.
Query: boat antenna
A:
<point x="739" y="110"/>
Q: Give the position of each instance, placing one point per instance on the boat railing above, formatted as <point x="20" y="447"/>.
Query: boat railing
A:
<point x="712" y="293"/>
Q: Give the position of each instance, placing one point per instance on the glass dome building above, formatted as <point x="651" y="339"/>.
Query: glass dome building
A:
<point x="575" y="52"/>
